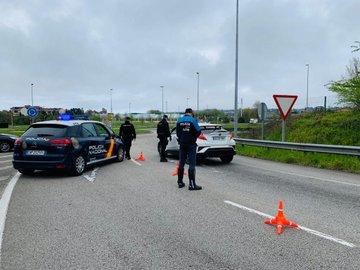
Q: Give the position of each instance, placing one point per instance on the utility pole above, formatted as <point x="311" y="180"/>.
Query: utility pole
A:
<point x="111" y="104"/>
<point x="162" y="98"/>
<point x="166" y="107"/>
<point x="32" y="94"/>
<point x="307" y="86"/>
<point x="129" y="108"/>
<point x="241" y="107"/>
<point x="236" y="70"/>
<point x="325" y="103"/>
<point x="187" y="102"/>
<point x="198" y="86"/>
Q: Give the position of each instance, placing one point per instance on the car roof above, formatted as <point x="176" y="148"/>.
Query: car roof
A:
<point x="68" y="123"/>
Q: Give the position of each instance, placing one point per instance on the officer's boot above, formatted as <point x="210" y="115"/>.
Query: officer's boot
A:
<point x="180" y="178"/>
<point x="192" y="184"/>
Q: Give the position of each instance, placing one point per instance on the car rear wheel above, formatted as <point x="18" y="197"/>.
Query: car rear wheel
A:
<point x="78" y="166"/>
<point x="120" y="154"/>
<point x="4" y="147"/>
<point x="26" y="171"/>
<point x="226" y="159"/>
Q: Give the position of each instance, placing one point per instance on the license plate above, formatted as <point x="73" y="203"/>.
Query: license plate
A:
<point x="35" y="152"/>
<point x="218" y="138"/>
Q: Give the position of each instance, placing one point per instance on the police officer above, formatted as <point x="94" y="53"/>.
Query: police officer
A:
<point x="187" y="131"/>
<point x="127" y="134"/>
<point x="163" y="133"/>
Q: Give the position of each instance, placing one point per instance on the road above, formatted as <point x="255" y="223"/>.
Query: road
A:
<point x="132" y="216"/>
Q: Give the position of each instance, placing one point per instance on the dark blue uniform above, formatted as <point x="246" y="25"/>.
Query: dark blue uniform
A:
<point x="187" y="130"/>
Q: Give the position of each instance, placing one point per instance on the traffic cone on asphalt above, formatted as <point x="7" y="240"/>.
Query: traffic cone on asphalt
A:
<point x="141" y="157"/>
<point x="175" y="172"/>
<point x="280" y="220"/>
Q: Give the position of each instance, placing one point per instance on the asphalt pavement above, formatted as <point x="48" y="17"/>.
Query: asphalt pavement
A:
<point x="6" y="170"/>
<point x="131" y="215"/>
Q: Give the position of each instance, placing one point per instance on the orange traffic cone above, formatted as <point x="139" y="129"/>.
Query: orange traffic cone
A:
<point x="175" y="172"/>
<point x="141" y="157"/>
<point x="280" y="220"/>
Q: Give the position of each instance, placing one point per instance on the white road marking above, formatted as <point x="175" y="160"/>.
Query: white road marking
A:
<point x="137" y="163"/>
<point x="320" y="234"/>
<point x="4" y="204"/>
<point x="6" y="156"/>
<point x="303" y="175"/>
<point x="92" y="176"/>
<point x="5" y="168"/>
<point x="5" y="161"/>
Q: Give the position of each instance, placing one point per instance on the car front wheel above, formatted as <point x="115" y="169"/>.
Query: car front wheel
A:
<point x="120" y="154"/>
<point x="4" y="147"/>
<point x="78" y="166"/>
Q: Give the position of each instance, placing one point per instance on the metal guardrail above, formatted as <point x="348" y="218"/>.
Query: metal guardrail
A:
<point x="305" y="147"/>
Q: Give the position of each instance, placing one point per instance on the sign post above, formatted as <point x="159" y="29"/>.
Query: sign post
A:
<point x="285" y="104"/>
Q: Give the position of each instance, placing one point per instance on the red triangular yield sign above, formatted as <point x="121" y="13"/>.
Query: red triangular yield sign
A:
<point x="285" y="104"/>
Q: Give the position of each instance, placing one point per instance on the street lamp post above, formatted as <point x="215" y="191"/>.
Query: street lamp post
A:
<point x="166" y="107"/>
<point x="32" y="94"/>
<point x="197" y="95"/>
<point x="129" y="108"/>
<point x="111" y="103"/>
<point x="162" y="98"/>
<point x="307" y="86"/>
<point x="236" y="69"/>
<point x="187" y="102"/>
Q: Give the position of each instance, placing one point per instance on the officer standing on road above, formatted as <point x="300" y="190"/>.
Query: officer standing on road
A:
<point x="163" y="133"/>
<point x="187" y="130"/>
<point x="127" y="134"/>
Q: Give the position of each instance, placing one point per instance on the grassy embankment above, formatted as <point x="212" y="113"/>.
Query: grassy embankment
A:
<point x="337" y="128"/>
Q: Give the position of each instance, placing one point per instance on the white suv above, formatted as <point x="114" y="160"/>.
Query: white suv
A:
<point x="215" y="142"/>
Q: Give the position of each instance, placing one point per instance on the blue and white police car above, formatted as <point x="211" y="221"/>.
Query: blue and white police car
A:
<point x="66" y="145"/>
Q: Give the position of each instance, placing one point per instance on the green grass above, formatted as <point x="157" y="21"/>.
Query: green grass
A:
<point x="334" y="128"/>
<point x="318" y="160"/>
<point x="16" y="130"/>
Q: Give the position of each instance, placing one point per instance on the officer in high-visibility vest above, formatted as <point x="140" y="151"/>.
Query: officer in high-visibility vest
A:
<point x="187" y="130"/>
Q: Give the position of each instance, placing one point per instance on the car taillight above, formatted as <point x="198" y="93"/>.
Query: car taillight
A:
<point x="18" y="142"/>
<point x="60" y="142"/>
<point x="202" y="137"/>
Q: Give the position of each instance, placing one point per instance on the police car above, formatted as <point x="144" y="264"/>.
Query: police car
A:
<point x="66" y="145"/>
<point x="214" y="141"/>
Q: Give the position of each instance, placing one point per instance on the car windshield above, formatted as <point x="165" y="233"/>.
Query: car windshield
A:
<point x="56" y="131"/>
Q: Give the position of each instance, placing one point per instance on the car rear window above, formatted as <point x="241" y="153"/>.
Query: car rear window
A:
<point x="54" y="131"/>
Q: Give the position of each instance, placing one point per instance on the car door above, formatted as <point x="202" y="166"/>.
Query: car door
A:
<point x="94" y="144"/>
<point x="173" y="145"/>
<point x="106" y="139"/>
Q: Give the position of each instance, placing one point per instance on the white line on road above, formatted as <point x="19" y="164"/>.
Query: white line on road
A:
<point x="6" y="156"/>
<point x="5" y="168"/>
<point x="320" y="234"/>
<point x="5" y="161"/>
<point x="4" y="204"/>
<point x="137" y="163"/>
<point x="303" y="175"/>
<point x="92" y="176"/>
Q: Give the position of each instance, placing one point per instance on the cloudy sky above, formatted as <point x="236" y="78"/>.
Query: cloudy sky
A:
<point x="74" y="51"/>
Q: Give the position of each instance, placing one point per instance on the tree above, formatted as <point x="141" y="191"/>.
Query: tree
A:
<point x="348" y="88"/>
<point x="356" y="47"/>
